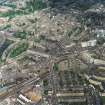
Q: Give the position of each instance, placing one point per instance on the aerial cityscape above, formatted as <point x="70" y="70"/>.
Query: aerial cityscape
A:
<point x="52" y="52"/>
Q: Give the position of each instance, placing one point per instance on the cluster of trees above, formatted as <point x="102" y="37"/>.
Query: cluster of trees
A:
<point x="78" y="4"/>
<point x="33" y="5"/>
<point x="4" y="46"/>
<point x="94" y="19"/>
<point x="100" y="40"/>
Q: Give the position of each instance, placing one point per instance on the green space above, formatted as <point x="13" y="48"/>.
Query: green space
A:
<point x="55" y="67"/>
<point x="19" y="49"/>
<point x="4" y="46"/>
<point x="100" y="40"/>
<point x="96" y="56"/>
<point x="45" y="82"/>
<point x="21" y="35"/>
<point x="74" y="32"/>
<point x="45" y="92"/>
<point x="5" y="27"/>
<point x="84" y="7"/>
<point x="10" y="5"/>
<point x="69" y="32"/>
<point x="31" y="7"/>
<point x="37" y="39"/>
<point x="103" y="100"/>
<point x="12" y="13"/>
<point x="34" y="5"/>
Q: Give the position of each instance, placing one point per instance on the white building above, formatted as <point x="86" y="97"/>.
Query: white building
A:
<point x="100" y="33"/>
<point x="90" y="43"/>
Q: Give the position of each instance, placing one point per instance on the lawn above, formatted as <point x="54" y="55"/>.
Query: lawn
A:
<point x="18" y="50"/>
<point x="55" y="67"/>
<point x="21" y="35"/>
<point x="10" y="5"/>
<point x="11" y="14"/>
<point x="103" y="100"/>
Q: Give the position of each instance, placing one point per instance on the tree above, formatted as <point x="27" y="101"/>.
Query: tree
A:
<point x="55" y="67"/>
